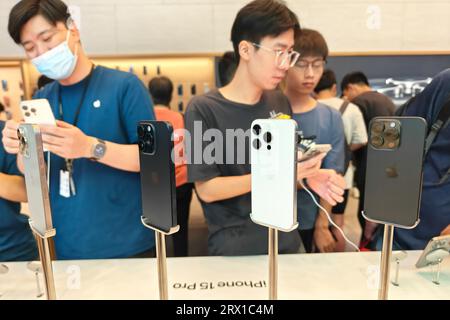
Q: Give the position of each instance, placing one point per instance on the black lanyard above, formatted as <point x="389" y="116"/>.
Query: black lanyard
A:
<point x="83" y="96"/>
<point x="69" y="162"/>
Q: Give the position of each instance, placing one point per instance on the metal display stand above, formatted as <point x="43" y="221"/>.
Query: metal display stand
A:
<point x="35" y="267"/>
<point x="435" y="258"/>
<point x="397" y="257"/>
<point x="161" y="257"/>
<point x="273" y="264"/>
<point x="43" y="242"/>
<point x="386" y="254"/>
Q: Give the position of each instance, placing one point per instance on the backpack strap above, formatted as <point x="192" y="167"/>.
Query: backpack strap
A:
<point x="442" y="121"/>
<point x="344" y="106"/>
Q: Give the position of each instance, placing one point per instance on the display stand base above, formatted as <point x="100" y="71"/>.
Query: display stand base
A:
<point x="43" y="242"/>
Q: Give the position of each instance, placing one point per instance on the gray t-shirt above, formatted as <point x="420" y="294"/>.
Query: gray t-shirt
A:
<point x="231" y="231"/>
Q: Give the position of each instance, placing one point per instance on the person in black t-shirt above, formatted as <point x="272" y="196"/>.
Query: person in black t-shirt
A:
<point x="355" y="86"/>
<point x="263" y="39"/>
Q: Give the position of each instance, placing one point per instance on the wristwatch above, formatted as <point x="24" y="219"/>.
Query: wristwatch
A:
<point x="98" y="150"/>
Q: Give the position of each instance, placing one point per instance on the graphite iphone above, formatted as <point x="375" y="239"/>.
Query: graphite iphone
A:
<point x="394" y="170"/>
<point x="158" y="183"/>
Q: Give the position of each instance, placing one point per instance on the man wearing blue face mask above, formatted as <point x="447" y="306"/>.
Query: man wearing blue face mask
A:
<point x="94" y="187"/>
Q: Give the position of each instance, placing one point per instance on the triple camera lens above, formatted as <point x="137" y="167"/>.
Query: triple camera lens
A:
<point x="267" y="137"/>
<point x="146" y="138"/>
<point x="385" y="134"/>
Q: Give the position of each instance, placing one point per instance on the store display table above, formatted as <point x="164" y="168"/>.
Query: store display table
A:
<point x="302" y="276"/>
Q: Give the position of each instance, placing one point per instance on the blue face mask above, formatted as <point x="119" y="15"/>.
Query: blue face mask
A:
<point x="57" y="63"/>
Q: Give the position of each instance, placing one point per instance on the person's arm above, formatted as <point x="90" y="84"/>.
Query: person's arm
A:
<point x="446" y="231"/>
<point x="12" y="188"/>
<point x="354" y="147"/>
<point x="359" y="131"/>
<point x="222" y="188"/>
<point x="67" y="141"/>
<point x="323" y="237"/>
<point x="134" y="105"/>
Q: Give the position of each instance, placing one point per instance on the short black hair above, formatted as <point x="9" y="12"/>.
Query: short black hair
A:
<point x="311" y="43"/>
<point x="161" y="89"/>
<point x="356" y="77"/>
<point x="53" y="11"/>
<point x="327" y="81"/>
<point x="260" y="19"/>
<point x="227" y="66"/>
<point x="43" y="81"/>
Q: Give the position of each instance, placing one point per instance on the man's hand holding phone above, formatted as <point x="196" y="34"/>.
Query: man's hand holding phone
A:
<point x="10" y="139"/>
<point x="66" y="141"/>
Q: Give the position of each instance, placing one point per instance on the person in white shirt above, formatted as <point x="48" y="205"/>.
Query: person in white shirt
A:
<point x="355" y="134"/>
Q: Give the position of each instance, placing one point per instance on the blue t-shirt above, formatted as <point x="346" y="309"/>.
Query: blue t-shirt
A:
<point x="326" y="125"/>
<point x="103" y="219"/>
<point x="435" y="199"/>
<point x="16" y="240"/>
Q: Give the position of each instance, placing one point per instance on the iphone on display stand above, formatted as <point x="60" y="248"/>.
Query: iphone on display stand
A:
<point x="158" y="187"/>
<point x="41" y="223"/>
<point x="395" y="155"/>
<point x="158" y="175"/>
<point x="274" y="173"/>
<point x="273" y="145"/>
<point x="395" y="158"/>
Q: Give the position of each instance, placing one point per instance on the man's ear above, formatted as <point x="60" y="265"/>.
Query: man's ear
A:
<point x="73" y="28"/>
<point x="245" y="49"/>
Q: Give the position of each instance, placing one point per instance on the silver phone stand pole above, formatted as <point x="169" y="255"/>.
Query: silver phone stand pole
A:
<point x="161" y="257"/>
<point x="43" y="242"/>
<point x="273" y="264"/>
<point x="386" y="262"/>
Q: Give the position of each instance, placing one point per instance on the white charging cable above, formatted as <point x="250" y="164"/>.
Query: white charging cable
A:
<point x="328" y="216"/>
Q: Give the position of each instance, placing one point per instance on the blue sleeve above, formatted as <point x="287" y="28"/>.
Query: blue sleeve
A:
<point x="136" y="105"/>
<point x="336" y="157"/>
<point x="8" y="162"/>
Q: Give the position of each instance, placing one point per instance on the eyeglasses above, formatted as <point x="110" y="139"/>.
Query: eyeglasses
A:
<point x="316" y="65"/>
<point x="283" y="58"/>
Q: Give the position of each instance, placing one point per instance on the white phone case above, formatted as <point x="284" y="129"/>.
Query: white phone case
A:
<point x="37" y="111"/>
<point x="274" y="174"/>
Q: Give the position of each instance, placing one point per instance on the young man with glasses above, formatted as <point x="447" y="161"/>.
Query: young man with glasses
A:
<point x="97" y="206"/>
<point x="263" y="39"/>
<point x="321" y="123"/>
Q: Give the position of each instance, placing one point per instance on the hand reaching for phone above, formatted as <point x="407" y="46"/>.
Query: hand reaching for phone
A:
<point x="328" y="185"/>
<point x="309" y="167"/>
<point x="66" y="141"/>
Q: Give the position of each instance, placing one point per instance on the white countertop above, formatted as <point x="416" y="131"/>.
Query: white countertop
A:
<point x="302" y="276"/>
